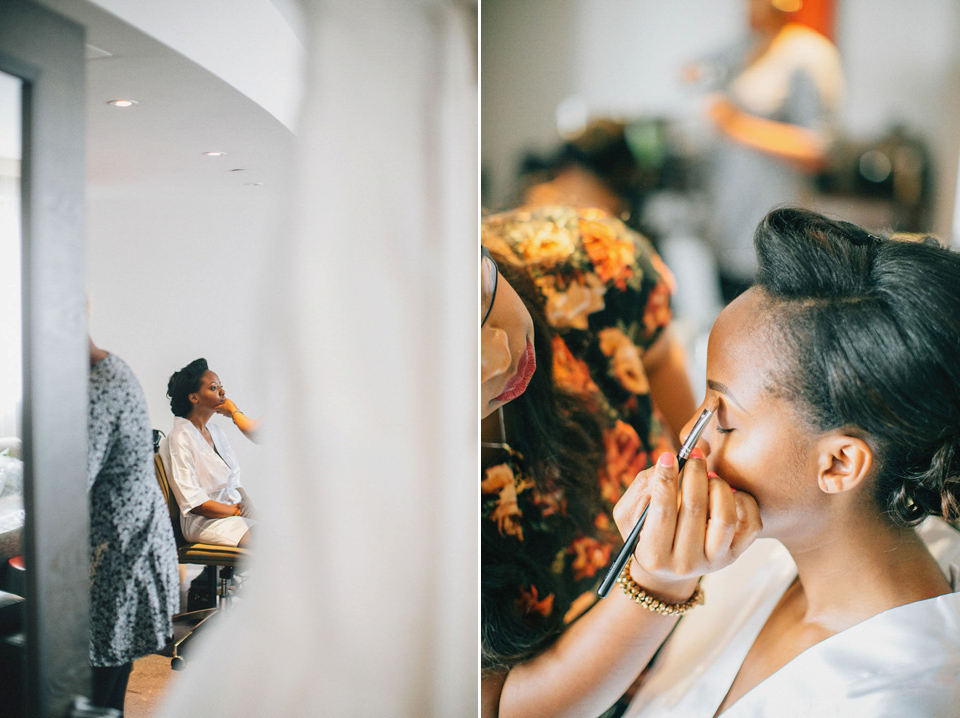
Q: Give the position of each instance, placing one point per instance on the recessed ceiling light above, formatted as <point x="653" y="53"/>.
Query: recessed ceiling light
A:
<point x="214" y="154"/>
<point x="122" y="103"/>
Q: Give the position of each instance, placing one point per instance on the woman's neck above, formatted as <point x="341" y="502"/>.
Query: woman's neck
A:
<point x="861" y="569"/>
<point x="199" y="419"/>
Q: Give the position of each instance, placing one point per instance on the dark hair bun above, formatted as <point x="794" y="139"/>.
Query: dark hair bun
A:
<point x="873" y="324"/>
<point x="183" y="383"/>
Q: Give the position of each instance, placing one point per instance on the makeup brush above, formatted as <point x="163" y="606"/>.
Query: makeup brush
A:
<point x="691" y="441"/>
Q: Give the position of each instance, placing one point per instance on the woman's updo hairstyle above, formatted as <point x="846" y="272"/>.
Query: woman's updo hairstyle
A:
<point x="873" y="327"/>
<point x="182" y="384"/>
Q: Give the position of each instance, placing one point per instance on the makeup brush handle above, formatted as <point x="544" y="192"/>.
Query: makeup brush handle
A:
<point x="631" y="543"/>
<point x="621" y="559"/>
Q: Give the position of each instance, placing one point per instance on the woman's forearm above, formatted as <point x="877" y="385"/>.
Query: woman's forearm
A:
<point x="589" y="667"/>
<point x="216" y="510"/>
<point x="789" y="142"/>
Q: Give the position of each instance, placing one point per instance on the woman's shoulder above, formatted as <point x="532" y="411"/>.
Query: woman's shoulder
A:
<point x="111" y="369"/>
<point x="182" y="432"/>
<point x="112" y="379"/>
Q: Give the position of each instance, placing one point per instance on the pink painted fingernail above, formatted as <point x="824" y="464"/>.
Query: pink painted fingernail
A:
<point x="665" y="460"/>
<point x="713" y="475"/>
<point x="696" y="453"/>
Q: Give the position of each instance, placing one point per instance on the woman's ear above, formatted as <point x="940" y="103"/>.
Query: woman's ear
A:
<point x="194" y="398"/>
<point x="843" y="463"/>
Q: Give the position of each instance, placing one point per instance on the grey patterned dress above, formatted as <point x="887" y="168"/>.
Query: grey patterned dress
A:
<point x="134" y="584"/>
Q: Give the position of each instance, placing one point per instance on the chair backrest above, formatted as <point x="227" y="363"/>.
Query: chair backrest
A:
<point x="162" y="478"/>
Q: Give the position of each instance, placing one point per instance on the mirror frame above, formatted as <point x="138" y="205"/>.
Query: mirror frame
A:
<point x="47" y="52"/>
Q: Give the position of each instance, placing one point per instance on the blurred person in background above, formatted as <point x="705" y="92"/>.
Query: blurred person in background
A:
<point x="778" y="93"/>
<point x="611" y="164"/>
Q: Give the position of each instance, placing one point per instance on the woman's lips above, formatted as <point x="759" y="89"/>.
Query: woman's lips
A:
<point x="525" y="368"/>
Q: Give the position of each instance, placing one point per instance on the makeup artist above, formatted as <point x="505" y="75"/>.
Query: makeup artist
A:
<point x="582" y="387"/>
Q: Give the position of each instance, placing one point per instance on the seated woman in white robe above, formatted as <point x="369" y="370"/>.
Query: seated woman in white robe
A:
<point x="837" y="390"/>
<point x="204" y="472"/>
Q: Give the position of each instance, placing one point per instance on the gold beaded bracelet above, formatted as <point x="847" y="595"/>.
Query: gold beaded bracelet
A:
<point x="638" y="595"/>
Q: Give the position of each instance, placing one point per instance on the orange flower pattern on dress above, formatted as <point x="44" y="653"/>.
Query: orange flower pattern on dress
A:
<point x="590" y="555"/>
<point x="501" y="480"/>
<point x="625" y="456"/>
<point x="627" y="366"/>
<point x="612" y="256"/>
<point x="569" y="372"/>
<point x="572" y="306"/>
<point x="657" y="313"/>
<point x="530" y="602"/>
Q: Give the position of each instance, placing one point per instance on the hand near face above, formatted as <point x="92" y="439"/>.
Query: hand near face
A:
<point x="226" y="408"/>
<point x="690" y="530"/>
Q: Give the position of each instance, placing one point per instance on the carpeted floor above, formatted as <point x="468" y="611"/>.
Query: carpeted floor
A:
<point x="152" y="675"/>
<point x="149" y="682"/>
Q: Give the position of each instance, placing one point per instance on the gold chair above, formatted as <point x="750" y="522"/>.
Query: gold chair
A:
<point x="226" y="558"/>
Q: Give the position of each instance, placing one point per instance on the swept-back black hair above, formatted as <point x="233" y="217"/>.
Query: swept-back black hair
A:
<point x="560" y="438"/>
<point x="873" y="327"/>
<point x="182" y="384"/>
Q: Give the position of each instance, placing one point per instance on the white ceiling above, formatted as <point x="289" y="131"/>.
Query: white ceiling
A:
<point x="183" y="109"/>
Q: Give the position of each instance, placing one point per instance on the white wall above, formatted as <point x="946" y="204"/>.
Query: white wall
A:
<point x="176" y="240"/>
<point x="174" y="279"/>
<point x="623" y="56"/>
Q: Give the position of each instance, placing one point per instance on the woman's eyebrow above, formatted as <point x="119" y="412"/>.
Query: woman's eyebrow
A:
<point x="725" y="390"/>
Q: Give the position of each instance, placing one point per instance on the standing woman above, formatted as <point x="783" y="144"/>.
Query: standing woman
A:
<point x="134" y="585"/>
<point x="206" y="475"/>
<point x="775" y="114"/>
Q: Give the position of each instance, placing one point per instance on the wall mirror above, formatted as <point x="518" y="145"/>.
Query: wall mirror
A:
<point x="11" y="372"/>
<point x="44" y="362"/>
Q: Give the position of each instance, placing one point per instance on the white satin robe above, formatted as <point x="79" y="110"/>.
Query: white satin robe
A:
<point x="902" y="662"/>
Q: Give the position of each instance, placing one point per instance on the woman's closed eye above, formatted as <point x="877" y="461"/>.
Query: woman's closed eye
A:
<point x="721" y="430"/>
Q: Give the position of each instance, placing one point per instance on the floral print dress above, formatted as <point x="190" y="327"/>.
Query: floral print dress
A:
<point x="607" y="296"/>
<point x="134" y="584"/>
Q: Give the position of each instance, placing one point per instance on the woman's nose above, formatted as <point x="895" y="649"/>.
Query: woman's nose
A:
<point x="494" y="352"/>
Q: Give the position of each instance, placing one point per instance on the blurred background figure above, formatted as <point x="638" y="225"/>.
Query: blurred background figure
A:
<point x="778" y="92"/>
<point x="855" y="104"/>
<point x="610" y="164"/>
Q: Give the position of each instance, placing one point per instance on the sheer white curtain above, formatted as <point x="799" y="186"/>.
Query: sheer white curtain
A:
<point x="362" y="596"/>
